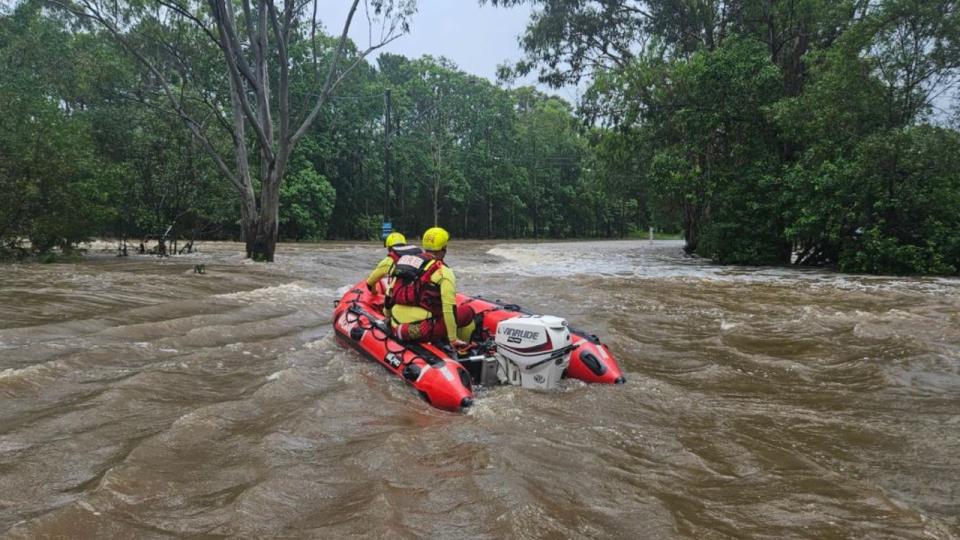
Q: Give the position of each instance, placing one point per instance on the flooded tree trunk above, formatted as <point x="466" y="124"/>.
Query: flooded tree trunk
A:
<point x="490" y="216"/>
<point x="248" y="220"/>
<point x="265" y="238"/>
<point x="692" y="217"/>
<point x="265" y="244"/>
<point x="623" y="218"/>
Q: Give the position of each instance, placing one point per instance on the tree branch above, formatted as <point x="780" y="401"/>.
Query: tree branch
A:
<point x="327" y="86"/>
<point x="237" y="64"/>
<point x="91" y="12"/>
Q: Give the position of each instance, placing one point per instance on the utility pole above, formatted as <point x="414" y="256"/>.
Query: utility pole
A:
<point x="387" y="123"/>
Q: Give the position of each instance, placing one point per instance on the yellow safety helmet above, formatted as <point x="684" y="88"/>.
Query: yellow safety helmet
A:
<point x="435" y="239"/>
<point x="393" y="239"/>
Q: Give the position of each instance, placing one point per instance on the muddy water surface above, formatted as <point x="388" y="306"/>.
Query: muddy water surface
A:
<point x="138" y="399"/>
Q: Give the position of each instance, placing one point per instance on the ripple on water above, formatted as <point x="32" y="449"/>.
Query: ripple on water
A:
<point x="142" y="400"/>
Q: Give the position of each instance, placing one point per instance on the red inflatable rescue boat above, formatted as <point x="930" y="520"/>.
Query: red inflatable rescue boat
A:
<point x="511" y="346"/>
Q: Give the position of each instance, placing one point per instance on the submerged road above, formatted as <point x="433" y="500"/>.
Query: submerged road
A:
<point x="138" y="399"/>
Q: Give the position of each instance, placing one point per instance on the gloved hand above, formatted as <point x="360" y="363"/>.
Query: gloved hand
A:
<point x="459" y="345"/>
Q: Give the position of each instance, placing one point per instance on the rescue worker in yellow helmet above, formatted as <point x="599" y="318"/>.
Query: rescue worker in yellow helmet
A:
<point x="395" y="244"/>
<point x="424" y="296"/>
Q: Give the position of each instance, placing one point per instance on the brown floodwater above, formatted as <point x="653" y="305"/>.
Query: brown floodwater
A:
<point x="139" y="399"/>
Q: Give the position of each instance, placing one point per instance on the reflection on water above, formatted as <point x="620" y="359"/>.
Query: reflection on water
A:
<point x="141" y="399"/>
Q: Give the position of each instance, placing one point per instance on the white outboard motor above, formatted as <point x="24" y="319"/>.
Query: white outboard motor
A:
<point x="533" y="351"/>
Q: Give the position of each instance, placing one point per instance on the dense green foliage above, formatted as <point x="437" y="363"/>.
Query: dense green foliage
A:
<point x="768" y="132"/>
<point x="46" y="168"/>
<point x="92" y="148"/>
<point x="801" y="131"/>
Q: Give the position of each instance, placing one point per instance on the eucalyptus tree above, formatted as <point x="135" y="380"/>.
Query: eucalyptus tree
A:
<point x="256" y="42"/>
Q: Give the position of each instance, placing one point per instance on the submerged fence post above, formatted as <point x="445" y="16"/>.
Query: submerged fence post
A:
<point x="651" y="236"/>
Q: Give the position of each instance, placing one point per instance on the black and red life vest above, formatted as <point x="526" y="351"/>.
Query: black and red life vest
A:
<point x="412" y="285"/>
<point x="396" y="252"/>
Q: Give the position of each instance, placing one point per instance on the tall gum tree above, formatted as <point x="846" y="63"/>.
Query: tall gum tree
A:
<point x="258" y="42"/>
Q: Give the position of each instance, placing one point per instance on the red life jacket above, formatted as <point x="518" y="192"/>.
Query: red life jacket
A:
<point x="412" y="284"/>
<point x="396" y="253"/>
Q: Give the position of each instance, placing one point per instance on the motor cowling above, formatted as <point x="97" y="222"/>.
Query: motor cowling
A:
<point x="533" y="351"/>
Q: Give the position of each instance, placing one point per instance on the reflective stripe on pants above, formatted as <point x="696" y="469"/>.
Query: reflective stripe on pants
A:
<point x="432" y="329"/>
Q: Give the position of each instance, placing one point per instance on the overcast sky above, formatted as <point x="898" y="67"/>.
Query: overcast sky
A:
<point x="475" y="38"/>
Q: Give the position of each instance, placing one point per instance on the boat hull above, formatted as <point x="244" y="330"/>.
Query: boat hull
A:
<point x="433" y="371"/>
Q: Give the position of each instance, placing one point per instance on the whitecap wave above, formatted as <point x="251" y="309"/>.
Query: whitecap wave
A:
<point x="297" y="292"/>
<point x="666" y="260"/>
<point x="23" y="372"/>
